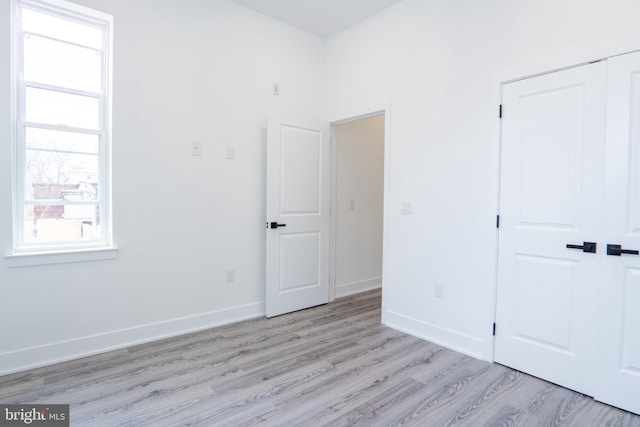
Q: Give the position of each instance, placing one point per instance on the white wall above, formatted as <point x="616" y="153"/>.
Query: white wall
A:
<point x="359" y="196"/>
<point x="436" y="63"/>
<point x="194" y="70"/>
<point x="202" y="70"/>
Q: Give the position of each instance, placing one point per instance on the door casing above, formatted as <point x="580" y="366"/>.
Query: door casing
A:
<point x="338" y="119"/>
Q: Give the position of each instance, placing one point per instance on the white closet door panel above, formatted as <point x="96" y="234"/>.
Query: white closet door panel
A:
<point x="619" y="329"/>
<point x="553" y="135"/>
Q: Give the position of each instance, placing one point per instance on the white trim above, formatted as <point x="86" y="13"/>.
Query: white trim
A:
<point x="557" y="64"/>
<point x="361" y="113"/>
<point x="347" y="289"/>
<point x="333" y="207"/>
<point x="80" y="13"/>
<point x="28" y="259"/>
<point x="465" y="344"/>
<point x="508" y="76"/>
<point x="15" y="114"/>
<point x="48" y="354"/>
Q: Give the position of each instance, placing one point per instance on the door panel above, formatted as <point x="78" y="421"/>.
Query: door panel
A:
<point x="300" y="163"/>
<point x="549" y="283"/>
<point x="629" y="136"/>
<point x="551" y="195"/>
<point x="619" y="329"/>
<point x="299" y="256"/>
<point x="297" y="199"/>
<point x="549" y="186"/>
<point x="630" y="354"/>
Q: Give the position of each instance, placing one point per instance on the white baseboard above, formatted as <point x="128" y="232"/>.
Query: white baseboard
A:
<point x="357" y="287"/>
<point x="48" y="354"/>
<point x="453" y="340"/>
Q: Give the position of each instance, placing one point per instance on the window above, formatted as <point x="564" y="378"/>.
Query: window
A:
<point x="62" y="128"/>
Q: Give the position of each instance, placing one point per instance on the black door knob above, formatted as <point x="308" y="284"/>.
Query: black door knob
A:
<point x="588" y="247"/>
<point x="276" y="225"/>
<point x="616" y="250"/>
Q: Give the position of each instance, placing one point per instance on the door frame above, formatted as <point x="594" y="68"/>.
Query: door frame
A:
<point x="499" y="80"/>
<point x="334" y="121"/>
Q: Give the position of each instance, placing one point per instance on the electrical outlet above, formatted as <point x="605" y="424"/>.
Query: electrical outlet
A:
<point x="196" y="148"/>
<point x="230" y="275"/>
<point x="438" y="290"/>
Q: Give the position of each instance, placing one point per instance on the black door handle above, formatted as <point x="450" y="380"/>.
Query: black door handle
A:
<point x="276" y="225"/>
<point x="588" y="247"/>
<point x="616" y="250"/>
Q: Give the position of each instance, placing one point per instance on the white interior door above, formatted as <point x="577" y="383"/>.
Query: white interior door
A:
<point x="298" y="181"/>
<point x="553" y="134"/>
<point x="619" y="332"/>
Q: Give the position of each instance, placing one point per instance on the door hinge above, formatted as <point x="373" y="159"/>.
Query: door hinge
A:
<point x="494" y="329"/>
<point x="500" y="111"/>
<point x="497" y="221"/>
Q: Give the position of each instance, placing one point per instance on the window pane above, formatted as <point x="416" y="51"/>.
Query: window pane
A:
<point x="56" y="175"/>
<point x="60" y="64"/>
<point x="61" y="29"/>
<point x="62" y="141"/>
<point x="56" y="108"/>
<point x="49" y="223"/>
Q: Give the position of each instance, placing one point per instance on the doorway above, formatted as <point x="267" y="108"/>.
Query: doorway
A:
<point x="357" y="204"/>
<point x="306" y="227"/>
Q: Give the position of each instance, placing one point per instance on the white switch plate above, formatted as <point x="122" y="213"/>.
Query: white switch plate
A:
<point x="405" y="208"/>
<point x="230" y="275"/>
<point x="231" y="152"/>
<point x="196" y="148"/>
<point x="276" y="89"/>
<point x="438" y="290"/>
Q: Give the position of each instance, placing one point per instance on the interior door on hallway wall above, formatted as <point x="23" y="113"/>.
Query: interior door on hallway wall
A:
<point x="297" y="214"/>
<point x="571" y="175"/>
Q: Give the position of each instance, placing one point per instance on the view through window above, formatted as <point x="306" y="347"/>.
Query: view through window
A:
<point x="62" y="127"/>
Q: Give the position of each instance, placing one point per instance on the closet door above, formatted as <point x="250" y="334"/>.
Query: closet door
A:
<point x="619" y="299"/>
<point x="553" y="133"/>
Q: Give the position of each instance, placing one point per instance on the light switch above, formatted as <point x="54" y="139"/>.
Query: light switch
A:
<point x="406" y="208"/>
<point x="231" y="152"/>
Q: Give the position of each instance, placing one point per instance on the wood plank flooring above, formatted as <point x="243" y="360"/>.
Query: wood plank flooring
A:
<point x="333" y="365"/>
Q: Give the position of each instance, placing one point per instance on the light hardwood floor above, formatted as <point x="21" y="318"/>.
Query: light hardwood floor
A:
<point x="331" y="365"/>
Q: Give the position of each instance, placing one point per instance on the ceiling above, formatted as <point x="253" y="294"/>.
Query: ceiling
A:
<point x="323" y="18"/>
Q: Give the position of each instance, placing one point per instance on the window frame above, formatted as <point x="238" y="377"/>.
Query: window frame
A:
<point x="29" y="253"/>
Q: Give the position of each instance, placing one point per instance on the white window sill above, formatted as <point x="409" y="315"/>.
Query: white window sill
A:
<point x="63" y="257"/>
